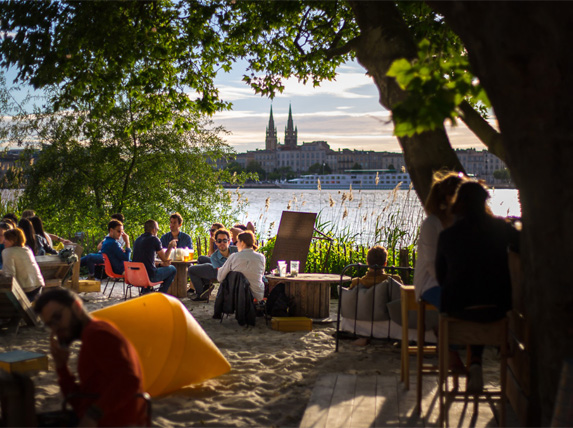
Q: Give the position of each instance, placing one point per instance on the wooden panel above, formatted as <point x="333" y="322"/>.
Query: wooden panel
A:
<point x="341" y="406"/>
<point x="14" y="300"/>
<point x="319" y="403"/>
<point x="520" y="364"/>
<point x="293" y="238"/>
<point x="519" y="401"/>
<point x="365" y="407"/>
<point x="520" y="328"/>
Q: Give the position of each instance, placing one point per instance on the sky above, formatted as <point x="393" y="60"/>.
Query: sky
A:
<point x="345" y="113"/>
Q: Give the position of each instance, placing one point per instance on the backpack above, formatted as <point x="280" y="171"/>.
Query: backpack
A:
<point x="278" y="303"/>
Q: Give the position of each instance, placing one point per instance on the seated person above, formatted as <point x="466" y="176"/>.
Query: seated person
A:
<point x="250" y="263"/>
<point x="43" y="239"/>
<point x="235" y="230"/>
<point x="377" y="256"/>
<point x="472" y="266"/>
<point x="212" y="245"/>
<point x="19" y="262"/>
<point x="146" y="247"/>
<point x="93" y="259"/>
<point x="112" y="248"/>
<point x="12" y="217"/>
<point x="182" y="240"/>
<point x="3" y="228"/>
<point x="31" y="242"/>
<point x="203" y="273"/>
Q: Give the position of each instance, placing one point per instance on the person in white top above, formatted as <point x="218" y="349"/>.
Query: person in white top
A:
<point x="248" y="262"/>
<point x="19" y="262"/>
<point x="438" y="207"/>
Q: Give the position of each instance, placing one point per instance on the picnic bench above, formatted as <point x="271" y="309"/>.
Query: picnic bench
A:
<point x="14" y="305"/>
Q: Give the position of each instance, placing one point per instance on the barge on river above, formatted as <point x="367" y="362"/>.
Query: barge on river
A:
<point x="358" y="179"/>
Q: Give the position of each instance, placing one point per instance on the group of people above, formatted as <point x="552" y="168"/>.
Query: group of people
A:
<point x="462" y="259"/>
<point x="147" y="248"/>
<point x="21" y="240"/>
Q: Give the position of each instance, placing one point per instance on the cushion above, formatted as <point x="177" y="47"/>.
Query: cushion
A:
<point x="367" y="304"/>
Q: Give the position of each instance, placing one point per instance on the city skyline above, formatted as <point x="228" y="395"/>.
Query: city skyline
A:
<point x="345" y="113"/>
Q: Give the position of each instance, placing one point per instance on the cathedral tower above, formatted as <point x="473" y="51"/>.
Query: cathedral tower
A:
<point x="290" y="132"/>
<point x="271" y="138"/>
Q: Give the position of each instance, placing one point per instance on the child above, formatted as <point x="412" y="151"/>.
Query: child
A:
<point x="378" y="256"/>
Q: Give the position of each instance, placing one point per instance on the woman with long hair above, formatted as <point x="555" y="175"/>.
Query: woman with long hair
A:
<point x="43" y="240"/>
<point x="472" y="266"/>
<point x="248" y="262"/>
<point x="19" y="262"/>
<point x="439" y="216"/>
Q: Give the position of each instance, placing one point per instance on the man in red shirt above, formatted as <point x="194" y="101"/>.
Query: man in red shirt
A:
<point x="109" y="371"/>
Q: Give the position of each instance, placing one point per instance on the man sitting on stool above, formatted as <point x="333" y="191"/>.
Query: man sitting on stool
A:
<point x="202" y="274"/>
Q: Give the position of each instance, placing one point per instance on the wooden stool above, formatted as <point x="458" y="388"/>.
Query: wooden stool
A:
<point x="408" y="298"/>
<point x="460" y="332"/>
<point x="421" y="368"/>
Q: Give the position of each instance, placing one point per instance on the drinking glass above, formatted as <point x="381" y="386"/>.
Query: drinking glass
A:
<point x="294" y="264"/>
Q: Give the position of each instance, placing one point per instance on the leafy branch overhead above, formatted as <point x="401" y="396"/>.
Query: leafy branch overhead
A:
<point x="435" y="87"/>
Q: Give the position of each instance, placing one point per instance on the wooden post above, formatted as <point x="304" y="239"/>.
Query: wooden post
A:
<point x="404" y="261"/>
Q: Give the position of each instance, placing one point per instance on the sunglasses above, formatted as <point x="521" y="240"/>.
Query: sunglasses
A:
<point x="222" y="241"/>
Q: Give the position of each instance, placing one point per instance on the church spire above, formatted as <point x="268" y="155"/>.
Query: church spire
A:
<point x="290" y="131"/>
<point x="271" y="134"/>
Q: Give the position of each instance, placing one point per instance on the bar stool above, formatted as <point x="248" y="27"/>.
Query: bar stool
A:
<point x="421" y="368"/>
<point x="408" y="303"/>
<point x="461" y="332"/>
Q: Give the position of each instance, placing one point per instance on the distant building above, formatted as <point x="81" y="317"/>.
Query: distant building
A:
<point x="299" y="158"/>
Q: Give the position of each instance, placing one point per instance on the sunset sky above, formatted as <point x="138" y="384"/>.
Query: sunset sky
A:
<point x="346" y="113"/>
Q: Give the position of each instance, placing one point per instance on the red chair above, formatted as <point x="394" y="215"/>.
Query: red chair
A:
<point x="111" y="275"/>
<point x="136" y="276"/>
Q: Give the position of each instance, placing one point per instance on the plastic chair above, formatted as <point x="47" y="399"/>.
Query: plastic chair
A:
<point x="461" y="332"/>
<point x="111" y="275"/>
<point x="135" y="275"/>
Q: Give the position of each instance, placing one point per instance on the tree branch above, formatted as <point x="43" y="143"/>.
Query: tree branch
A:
<point x="342" y="50"/>
<point x="482" y="129"/>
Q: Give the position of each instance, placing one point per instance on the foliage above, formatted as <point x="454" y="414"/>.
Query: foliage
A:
<point x="90" y="167"/>
<point x="319" y="168"/>
<point x="435" y="85"/>
<point x="502" y="174"/>
<point x="256" y="168"/>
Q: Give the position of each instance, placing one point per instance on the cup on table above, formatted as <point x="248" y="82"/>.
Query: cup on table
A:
<point x="282" y="268"/>
<point x="294" y="264"/>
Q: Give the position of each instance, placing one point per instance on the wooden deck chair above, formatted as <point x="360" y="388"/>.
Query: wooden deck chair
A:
<point x="14" y="305"/>
<point x="293" y="238"/>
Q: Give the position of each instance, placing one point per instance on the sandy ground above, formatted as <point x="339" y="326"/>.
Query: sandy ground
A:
<point x="272" y="373"/>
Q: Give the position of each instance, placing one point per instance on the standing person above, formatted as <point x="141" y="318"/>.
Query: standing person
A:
<point x="109" y="370"/>
<point x="112" y="247"/>
<point x="202" y="274"/>
<point x="439" y="216"/>
<point x="472" y="266"/>
<point x="250" y="263"/>
<point x="182" y="240"/>
<point x="19" y="262"/>
<point x="146" y="247"/>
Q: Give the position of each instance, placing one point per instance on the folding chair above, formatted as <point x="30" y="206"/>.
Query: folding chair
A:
<point x="111" y="275"/>
<point x="135" y="275"/>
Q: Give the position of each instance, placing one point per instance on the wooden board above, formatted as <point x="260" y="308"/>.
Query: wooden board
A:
<point x="14" y="304"/>
<point x="344" y="400"/>
<point x="293" y="238"/>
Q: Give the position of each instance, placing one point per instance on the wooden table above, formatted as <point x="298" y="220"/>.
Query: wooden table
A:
<point x="178" y="287"/>
<point x="53" y="269"/>
<point x="310" y="291"/>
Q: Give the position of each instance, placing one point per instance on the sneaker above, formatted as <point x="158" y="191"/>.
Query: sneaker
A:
<point x="475" y="379"/>
<point x="204" y="296"/>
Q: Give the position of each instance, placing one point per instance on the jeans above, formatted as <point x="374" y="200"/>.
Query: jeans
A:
<point x="201" y="276"/>
<point x="433" y="296"/>
<point x="91" y="260"/>
<point x="165" y="274"/>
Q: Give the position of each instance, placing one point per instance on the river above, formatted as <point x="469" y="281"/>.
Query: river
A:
<point x="367" y="216"/>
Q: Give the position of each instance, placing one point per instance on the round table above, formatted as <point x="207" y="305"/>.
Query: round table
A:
<point x="310" y="291"/>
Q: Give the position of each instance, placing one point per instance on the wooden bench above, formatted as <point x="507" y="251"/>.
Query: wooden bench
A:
<point x="14" y="305"/>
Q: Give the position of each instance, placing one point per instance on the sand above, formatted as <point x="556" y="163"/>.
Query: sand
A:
<point x="272" y="373"/>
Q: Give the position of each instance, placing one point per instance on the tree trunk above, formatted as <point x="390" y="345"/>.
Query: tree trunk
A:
<point x="521" y="53"/>
<point x="384" y="37"/>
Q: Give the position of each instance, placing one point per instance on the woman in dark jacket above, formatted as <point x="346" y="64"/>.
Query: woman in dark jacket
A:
<point x="472" y="266"/>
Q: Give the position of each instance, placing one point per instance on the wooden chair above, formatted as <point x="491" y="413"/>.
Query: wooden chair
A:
<point x="135" y="275"/>
<point x="111" y="275"/>
<point x="461" y="332"/>
<point x="293" y="238"/>
<point x="409" y="303"/>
